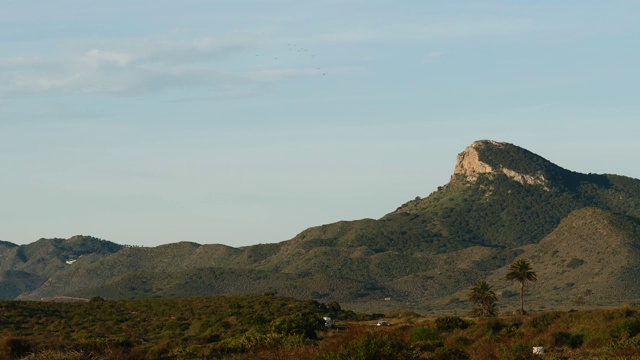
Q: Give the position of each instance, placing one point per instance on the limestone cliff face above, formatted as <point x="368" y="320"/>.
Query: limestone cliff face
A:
<point x="468" y="162"/>
<point x="470" y="166"/>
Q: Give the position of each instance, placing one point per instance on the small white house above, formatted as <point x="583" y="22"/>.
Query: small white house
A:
<point x="538" y="350"/>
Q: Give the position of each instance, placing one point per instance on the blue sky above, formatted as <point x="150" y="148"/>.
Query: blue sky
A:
<point x="242" y="122"/>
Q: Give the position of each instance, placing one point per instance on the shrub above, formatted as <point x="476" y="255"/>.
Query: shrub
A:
<point x="633" y="342"/>
<point x="96" y="300"/>
<point x="542" y="322"/>
<point x="450" y="323"/>
<point x="15" y="347"/>
<point x="305" y="324"/>
<point x="371" y="346"/>
<point x="104" y="343"/>
<point x="627" y="328"/>
<point x="426" y="339"/>
<point x="461" y="341"/>
<point x="447" y="353"/>
<point x="519" y="351"/>
<point x="424" y="333"/>
<point x="253" y="341"/>
<point x="561" y="338"/>
<point x="494" y="326"/>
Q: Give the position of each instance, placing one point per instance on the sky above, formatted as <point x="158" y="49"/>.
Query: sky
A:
<point x="240" y="122"/>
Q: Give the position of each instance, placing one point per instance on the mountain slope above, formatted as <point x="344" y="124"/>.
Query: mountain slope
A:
<point x="593" y="255"/>
<point x="503" y="195"/>
<point x="502" y="202"/>
<point x="26" y="267"/>
<point x="168" y="258"/>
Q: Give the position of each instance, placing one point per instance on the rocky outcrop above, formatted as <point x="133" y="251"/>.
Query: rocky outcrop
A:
<point x="468" y="162"/>
<point x="470" y="167"/>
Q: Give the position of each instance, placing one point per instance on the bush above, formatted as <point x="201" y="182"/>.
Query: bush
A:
<point x="103" y="343"/>
<point x="446" y="353"/>
<point x="96" y="300"/>
<point x="252" y="342"/>
<point x="519" y="351"/>
<point x="426" y="339"/>
<point x="494" y="326"/>
<point x="561" y="338"/>
<point x="543" y="321"/>
<point x="371" y="346"/>
<point x="627" y="328"/>
<point x="14" y="347"/>
<point x="450" y="323"/>
<point x="304" y="324"/>
<point x="423" y="333"/>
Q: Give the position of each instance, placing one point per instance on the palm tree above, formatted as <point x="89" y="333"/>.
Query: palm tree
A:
<point x="521" y="271"/>
<point x="484" y="298"/>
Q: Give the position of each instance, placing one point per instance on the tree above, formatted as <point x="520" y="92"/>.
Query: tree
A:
<point x="484" y="299"/>
<point x="301" y="323"/>
<point x="522" y="272"/>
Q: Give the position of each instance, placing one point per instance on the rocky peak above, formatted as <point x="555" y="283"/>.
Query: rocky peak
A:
<point x="468" y="162"/>
<point x="490" y="158"/>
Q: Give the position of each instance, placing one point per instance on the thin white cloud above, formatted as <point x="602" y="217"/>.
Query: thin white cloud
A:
<point x="122" y="68"/>
<point x="147" y="66"/>
<point x="151" y="65"/>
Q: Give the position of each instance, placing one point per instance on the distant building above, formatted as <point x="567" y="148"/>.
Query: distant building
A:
<point x="327" y="322"/>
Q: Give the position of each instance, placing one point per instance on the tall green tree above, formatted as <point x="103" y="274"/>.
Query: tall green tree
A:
<point x="484" y="299"/>
<point x="522" y="272"/>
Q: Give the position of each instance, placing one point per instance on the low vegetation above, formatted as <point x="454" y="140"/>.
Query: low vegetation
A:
<point x="197" y="327"/>
<point x="272" y="327"/>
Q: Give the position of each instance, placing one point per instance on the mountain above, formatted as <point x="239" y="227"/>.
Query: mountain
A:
<point x="25" y="268"/>
<point x="593" y="254"/>
<point x="502" y="202"/>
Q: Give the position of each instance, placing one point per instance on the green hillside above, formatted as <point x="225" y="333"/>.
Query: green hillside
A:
<point x="502" y="202"/>
<point x="26" y="268"/>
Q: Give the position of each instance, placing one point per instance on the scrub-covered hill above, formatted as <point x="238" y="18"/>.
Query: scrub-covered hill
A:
<point x="502" y="202"/>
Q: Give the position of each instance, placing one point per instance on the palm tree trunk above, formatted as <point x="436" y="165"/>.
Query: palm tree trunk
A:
<point x="522" y="297"/>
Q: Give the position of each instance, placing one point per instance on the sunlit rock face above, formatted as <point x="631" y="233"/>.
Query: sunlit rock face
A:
<point x="470" y="167"/>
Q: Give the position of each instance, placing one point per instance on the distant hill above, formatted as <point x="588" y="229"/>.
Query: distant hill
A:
<point x="26" y="268"/>
<point x="593" y="254"/>
<point x="502" y="202"/>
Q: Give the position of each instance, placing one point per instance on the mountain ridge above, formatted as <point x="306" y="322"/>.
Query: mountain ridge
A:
<point x="501" y="202"/>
